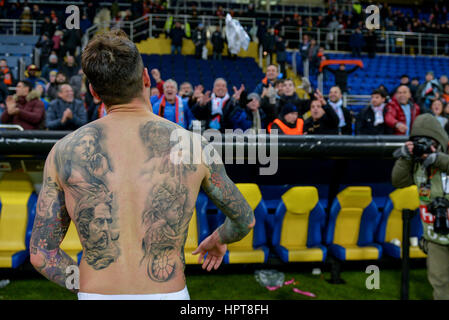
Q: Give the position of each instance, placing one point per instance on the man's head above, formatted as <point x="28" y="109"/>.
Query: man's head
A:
<point x="3" y="63"/>
<point x="437" y="107"/>
<point x="154" y="92"/>
<point x="86" y="145"/>
<point x="290" y="113"/>
<point x="70" y="60"/>
<point x="53" y="59"/>
<point x="178" y="24"/>
<point x="272" y="72"/>
<point x="335" y="94"/>
<point x="170" y="89"/>
<point x="253" y="101"/>
<point x="403" y="94"/>
<point x="115" y="69"/>
<point x="220" y="87"/>
<point x="316" y="110"/>
<point x="378" y="97"/>
<point x="405" y="79"/>
<point x="23" y="88"/>
<point x="32" y="70"/>
<point x="289" y="87"/>
<point x="279" y="86"/>
<point x="61" y="78"/>
<point x="185" y="90"/>
<point x="446" y="88"/>
<point x="65" y="92"/>
<point x="430" y="76"/>
<point x="415" y="82"/>
<point x="443" y="80"/>
<point x="342" y="67"/>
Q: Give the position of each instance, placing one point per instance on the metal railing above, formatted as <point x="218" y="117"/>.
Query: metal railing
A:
<point x="14" y="27"/>
<point x="152" y="25"/>
<point x="11" y="127"/>
<point x="387" y="41"/>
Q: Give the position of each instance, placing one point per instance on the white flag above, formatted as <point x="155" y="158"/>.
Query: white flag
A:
<point x="236" y="35"/>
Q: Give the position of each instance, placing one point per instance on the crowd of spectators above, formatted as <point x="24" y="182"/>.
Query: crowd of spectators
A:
<point x="54" y="95"/>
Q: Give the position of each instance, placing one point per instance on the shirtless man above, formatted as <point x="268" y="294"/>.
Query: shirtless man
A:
<point x="130" y="203"/>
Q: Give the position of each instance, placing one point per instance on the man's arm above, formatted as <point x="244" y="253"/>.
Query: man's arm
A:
<point x="227" y="197"/>
<point x="52" y="120"/>
<point x="50" y="226"/>
<point x="352" y="69"/>
<point x="35" y="116"/>
<point x="79" y="114"/>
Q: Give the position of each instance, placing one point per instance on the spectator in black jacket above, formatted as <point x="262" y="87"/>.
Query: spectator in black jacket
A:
<point x="70" y="68"/>
<point x="46" y="45"/>
<point x="341" y="76"/>
<point x="370" y="120"/>
<point x="269" y="44"/>
<point x="217" y="43"/>
<point x="176" y="36"/>
<point x="290" y="96"/>
<point x="323" y="119"/>
<point x="281" y="55"/>
<point x="344" y="115"/>
<point x="66" y="112"/>
<point x="199" y="40"/>
<point x="71" y="39"/>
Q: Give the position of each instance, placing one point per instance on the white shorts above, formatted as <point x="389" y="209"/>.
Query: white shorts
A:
<point x="179" y="295"/>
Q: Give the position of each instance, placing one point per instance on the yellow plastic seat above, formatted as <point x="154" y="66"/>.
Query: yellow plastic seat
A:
<point x="191" y="241"/>
<point x="298" y="226"/>
<point x="71" y="243"/>
<point x="15" y="192"/>
<point x="251" y="249"/>
<point x="353" y="221"/>
<point x="391" y="226"/>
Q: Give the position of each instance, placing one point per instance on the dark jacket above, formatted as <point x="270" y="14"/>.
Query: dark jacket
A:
<point x="48" y="68"/>
<point x="327" y="124"/>
<point x="176" y="36"/>
<point x="365" y="123"/>
<point x="205" y="113"/>
<point x="199" y="37"/>
<point x="71" y="39"/>
<point x="56" y="110"/>
<point x="45" y="45"/>
<point x="269" y="43"/>
<point x="281" y="54"/>
<point x="31" y="115"/>
<point x="242" y="118"/>
<point x="301" y="104"/>
<point x="70" y="71"/>
<point x="217" y="41"/>
<point x="395" y="114"/>
<point x="341" y="77"/>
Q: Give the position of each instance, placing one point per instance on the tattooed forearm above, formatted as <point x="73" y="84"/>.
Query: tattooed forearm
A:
<point x="227" y="197"/>
<point x="50" y="226"/>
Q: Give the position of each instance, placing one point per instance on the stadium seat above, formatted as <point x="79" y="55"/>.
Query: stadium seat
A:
<point x="72" y="244"/>
<point x="18" y="207"/>
<point x="353" y="220"/>
<point x="198" y="229"/>
<point x="299" y="225"/>
<point x="391" y="223"/>
<point x="252" y="248"/>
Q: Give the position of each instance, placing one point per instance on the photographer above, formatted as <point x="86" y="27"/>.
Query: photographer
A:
<point x="424" y="161"/>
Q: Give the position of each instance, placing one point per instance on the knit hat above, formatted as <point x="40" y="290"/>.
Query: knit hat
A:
<point x="252" y="96"/>
<point x="289" y="107"/>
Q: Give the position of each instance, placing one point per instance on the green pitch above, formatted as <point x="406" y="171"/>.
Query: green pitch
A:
<point x="242" y="285"/>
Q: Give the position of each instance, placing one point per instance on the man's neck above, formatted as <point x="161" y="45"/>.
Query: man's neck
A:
<point x="135" y="106"/>
<point x="171" y="100"/>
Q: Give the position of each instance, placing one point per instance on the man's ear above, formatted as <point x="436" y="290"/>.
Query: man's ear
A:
<point x="146" y="78"/>
<point x="93" y="93"/>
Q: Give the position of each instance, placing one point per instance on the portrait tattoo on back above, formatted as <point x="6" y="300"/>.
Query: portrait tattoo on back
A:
<point x="168" y="208"/>
<point x="84" y="167"/>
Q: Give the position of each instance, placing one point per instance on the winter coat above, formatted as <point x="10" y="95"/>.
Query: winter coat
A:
<point x="31" y="115"/>
<point x="395" y="114"/>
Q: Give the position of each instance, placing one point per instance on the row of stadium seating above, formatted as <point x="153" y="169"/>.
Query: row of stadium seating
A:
<point x="299" y="230"/>
<point x="383" y="69"/>
<point x="15" y="47"/>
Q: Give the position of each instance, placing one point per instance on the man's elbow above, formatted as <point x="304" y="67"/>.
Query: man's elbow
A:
<point x="37" y="259"/>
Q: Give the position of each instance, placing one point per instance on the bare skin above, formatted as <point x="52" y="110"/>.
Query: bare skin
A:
<point x="131" y="204"/>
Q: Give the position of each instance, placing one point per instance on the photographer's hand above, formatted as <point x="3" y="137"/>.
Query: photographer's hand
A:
<point x="429" y="159"/>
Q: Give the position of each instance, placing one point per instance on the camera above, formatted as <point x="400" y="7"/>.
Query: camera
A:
<point x="422" y="145"/>
<point x="438" y="207"/>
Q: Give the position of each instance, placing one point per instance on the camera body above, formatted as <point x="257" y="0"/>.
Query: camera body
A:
<point x="439" y="209"/>
<point x="421" y="146"/>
